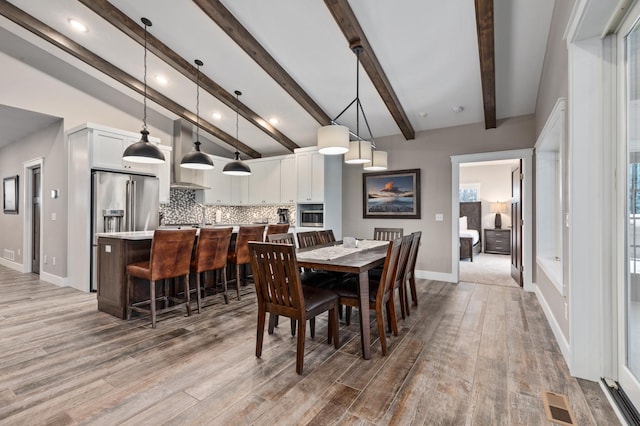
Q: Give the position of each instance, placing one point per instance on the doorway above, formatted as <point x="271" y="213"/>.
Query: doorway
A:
<point x="33" y="171"/>
<point x="526" y="155"/>
<point x="35" y="219"/>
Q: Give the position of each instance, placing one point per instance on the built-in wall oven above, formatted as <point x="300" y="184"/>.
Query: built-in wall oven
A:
<point x="312" y="217"/>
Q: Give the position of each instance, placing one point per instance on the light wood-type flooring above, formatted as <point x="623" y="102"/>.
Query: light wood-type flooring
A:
<point x="468" y="354"/>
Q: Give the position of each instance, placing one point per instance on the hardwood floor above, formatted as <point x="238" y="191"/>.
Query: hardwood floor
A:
<point x="468" y="354"/>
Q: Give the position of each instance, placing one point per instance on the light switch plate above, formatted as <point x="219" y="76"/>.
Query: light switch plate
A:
<point x="53" y="216"/>
<point x="107" y="249"/>
<point x="439" y="217"/>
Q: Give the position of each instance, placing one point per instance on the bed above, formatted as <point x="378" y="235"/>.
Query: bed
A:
<point x="470" y="227"/>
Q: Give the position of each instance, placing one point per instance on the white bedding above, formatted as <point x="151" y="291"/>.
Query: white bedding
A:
<point x="470" y="233"/>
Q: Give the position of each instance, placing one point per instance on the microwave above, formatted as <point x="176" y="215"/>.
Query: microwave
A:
<point x="312" y="218"/>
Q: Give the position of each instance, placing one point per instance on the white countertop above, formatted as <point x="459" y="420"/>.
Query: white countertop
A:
<point x="134" y="235"/>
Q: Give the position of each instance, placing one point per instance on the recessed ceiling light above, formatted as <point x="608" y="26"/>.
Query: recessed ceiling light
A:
<point x="78" y="26"/>
<point x="274" y="120"/>
<point x="457" y="108"/>
<point x="423" y="114"/>
<point x="161" y="79"/>
<point x="216" y="116"/>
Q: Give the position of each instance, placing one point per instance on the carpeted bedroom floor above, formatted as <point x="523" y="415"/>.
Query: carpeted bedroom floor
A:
<point x="494" y="269"/>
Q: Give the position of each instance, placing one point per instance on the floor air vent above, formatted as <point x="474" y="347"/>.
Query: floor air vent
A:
<point x="556" y="406"/>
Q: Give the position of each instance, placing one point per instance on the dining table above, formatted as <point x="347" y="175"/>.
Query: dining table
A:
<point x="336" y="257"/>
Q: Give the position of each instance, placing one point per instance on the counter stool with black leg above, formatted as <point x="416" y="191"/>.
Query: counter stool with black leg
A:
<point x="239" y="255"/>
<point x="211" y="255"/>
<point x="170" y="258"/>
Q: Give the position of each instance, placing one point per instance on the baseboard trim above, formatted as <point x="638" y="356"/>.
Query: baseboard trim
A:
<point x="53" y="279"/>
<point x="436" y="276"/>
<point x="10" y="264"/>
<point x="555" y="327"/>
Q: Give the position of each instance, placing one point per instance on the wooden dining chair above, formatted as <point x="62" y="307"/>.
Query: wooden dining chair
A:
<point x="387" y="234"/>
<point x="307" y="239"/>
<point x="276" y="228"/>
<point x="321" y="279"/>
<point x="280" y="291"/>
<point x="411" y="269"/>
<point x="401" y="274"/>
<point x="170" y="258"/>
<point x="325" y="236"/>
<point x="380" y="294"/>
<point x="211" y="255"/>
<point x="239" y="253"/>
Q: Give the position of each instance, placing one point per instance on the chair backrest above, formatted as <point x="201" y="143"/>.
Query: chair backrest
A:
<point x="277" y="277"/>
<point x="212" y="249"/>
<point x="171" y="251"/>
<point x="325" y="236"/>
<point x="403" y="259"/>
<point x="276" y="228"/>
<point x="307" y="239"/>
<point x="246" y="234"/>
<point x="413" y="253"/>
<point x="387" y="234"/>
<point x="387" y="280"/>
<point x="282" y="239"/>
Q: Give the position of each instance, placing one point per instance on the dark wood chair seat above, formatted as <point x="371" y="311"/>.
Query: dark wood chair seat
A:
<point x="170" y="258"/>
<point x="280" y="291"/>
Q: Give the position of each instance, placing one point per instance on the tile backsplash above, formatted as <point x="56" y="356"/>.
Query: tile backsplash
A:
<point x="183" y="208"/>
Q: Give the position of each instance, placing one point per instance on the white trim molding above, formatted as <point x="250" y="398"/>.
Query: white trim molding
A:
<point x="436" y="276"/>
<point x="555" y="327"/>
<point x="9" y="264"/>
<point x="27" y="245"/>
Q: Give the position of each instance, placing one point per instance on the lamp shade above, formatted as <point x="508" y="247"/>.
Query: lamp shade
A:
<point x="143" y="151"/>
<point x="333" y="140"/>
<point x="359" y="152"/>
<point x="378" y="161"/>
<point x="498" y="207"/>
<point x="236" y="167"/>
<point x="196" y="159"/>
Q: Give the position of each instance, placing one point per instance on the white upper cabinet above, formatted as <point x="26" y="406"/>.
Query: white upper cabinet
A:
<point x="107" y="148"/>
<point x="288" y="180"/>
<point x="239" y="190"/>
<point x="310" y="171"/>
<point x="163" y="172"/>
<point x="219" y="184"/>
<point x="264" y="182"/>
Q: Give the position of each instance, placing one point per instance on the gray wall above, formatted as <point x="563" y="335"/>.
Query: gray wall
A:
<point x="48" y="144"/>
<point x="554" y="85"/>
<point x="430" y="152"/>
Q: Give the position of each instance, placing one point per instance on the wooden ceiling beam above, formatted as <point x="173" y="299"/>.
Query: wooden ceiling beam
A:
<point x="47" y="33"/>
<point x="115" y="17"/>
<point x="216" y="11"/>
<point x="486" y="51"/>
<point x="348" y="23"/>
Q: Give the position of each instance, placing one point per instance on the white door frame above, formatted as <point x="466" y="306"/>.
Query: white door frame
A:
<point x="27" y="251"/>
<point x="527" y="196"/>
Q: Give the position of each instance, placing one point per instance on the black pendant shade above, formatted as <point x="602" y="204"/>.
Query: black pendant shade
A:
<point x="236" y="167"/>
<point x="197" y="159"/>
<point x="144" y="151"/>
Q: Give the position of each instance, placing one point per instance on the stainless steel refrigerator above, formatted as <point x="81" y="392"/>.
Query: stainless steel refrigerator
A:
<point x="121" y="202"/>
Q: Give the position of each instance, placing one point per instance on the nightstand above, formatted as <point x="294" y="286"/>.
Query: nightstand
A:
<point x="497" y="241"/>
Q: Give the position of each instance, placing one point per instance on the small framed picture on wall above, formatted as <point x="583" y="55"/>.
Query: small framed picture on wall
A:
<point x="10" y="195"/>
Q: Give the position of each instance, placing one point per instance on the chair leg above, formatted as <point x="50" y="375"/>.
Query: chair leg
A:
<point x="347" y="317"/>
<point x="165" y="286"/>
<point x="224" y="284"/>
<point x="262" y="314"/>
<point x="414" y="293"/>
<point x="238" y="279"/>
<point x="401" y="297"/>
<point x="198" y="287"/>
<point x="187" y="295"/>
<point x="334" y="327"/>
<point x="273" y="322"/>
<point x="294" y="323"/>
<point x="405" y="285"/>
<point x="312" y="327"/>
<point x="300" y="348"/>
<point x="152" y="301"/>
<point x="129" y="291"/>
<point x="380" y="321"/>
<point x="391" y="307"/>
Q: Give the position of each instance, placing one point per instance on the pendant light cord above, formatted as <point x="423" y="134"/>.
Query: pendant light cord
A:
<point x="198" y="104"/>
<point x="238" y="93"/>
<point x="144" y="118"/>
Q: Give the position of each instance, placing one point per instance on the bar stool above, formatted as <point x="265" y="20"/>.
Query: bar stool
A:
<point x="239" y="255"/>
<point x="276" y="228"/>
<point x="170" y="258"/>
<point x="211" y="255"/>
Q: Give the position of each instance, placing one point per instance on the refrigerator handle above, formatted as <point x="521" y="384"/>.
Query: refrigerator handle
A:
<point x="127" y="221"/>
<point x="133" y="205"/>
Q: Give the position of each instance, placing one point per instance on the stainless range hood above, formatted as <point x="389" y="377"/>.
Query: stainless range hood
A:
<point x="182" y="178"/>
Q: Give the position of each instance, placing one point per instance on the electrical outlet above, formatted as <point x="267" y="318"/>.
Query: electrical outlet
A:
<point x="439" y="217"/>
<point x="45" y="259"/>
<point x="53" y="216"/>
<point x="18" y="252"/>
<point x="53" y="260"/>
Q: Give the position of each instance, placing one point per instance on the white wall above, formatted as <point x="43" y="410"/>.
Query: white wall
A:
<point x="495" y="185"/>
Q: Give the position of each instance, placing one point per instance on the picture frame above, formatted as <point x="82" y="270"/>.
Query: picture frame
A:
<point x="391" y="194"/>
<point x="10" y="195"/>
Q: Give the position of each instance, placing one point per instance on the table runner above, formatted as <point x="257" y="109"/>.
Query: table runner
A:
<point x="334" y="252"/>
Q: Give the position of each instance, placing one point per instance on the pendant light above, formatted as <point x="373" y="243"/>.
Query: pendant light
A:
<point x="197" y="159"/>
<point x="237" y="167"/>
<point x="144" y="151"/>
<point x="378" y="161"/>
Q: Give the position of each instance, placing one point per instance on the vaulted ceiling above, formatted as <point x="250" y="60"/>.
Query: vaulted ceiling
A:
<point x="292" y="60"/>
